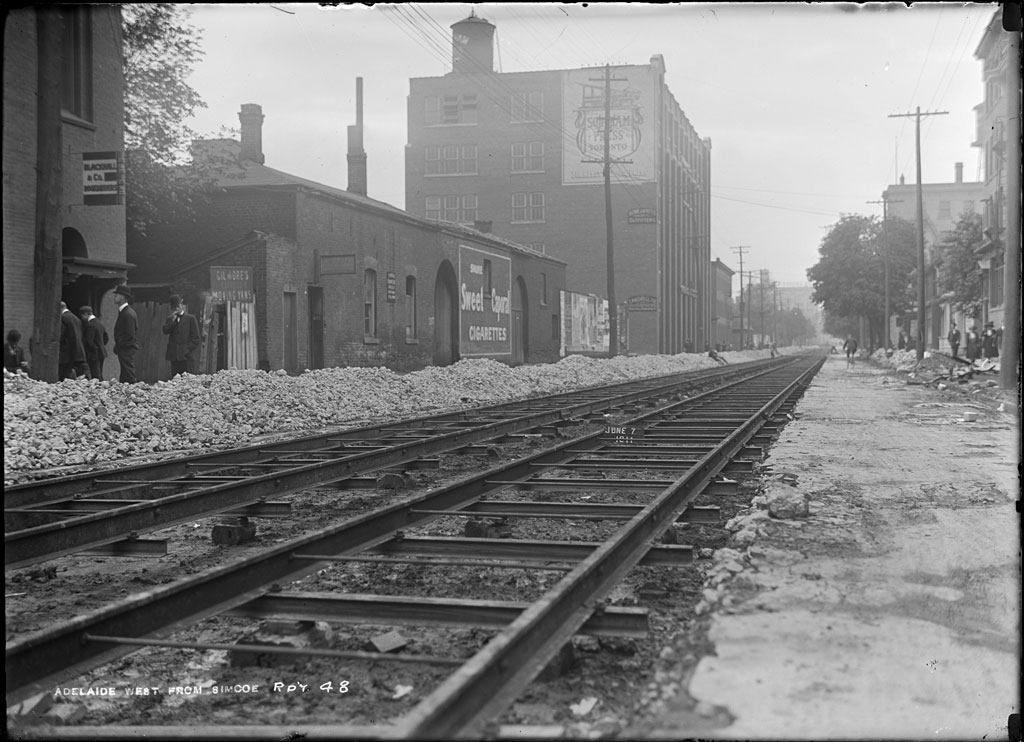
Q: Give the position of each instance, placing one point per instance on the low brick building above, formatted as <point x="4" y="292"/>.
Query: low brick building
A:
<point x="334" y="278"/>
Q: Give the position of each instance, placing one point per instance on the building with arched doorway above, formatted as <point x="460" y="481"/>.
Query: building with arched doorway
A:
<point x="315" y="276"/>
<point x="80" y="152"/>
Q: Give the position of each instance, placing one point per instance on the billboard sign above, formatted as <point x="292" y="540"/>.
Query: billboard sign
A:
<point x="630" y="125"/>
<point x="584" y="323"/>
<point x="485" y="303"/>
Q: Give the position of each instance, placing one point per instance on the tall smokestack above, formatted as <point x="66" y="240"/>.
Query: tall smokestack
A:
<point x="958" y="170"/>
<point x="356" y="153"/>
<point x="472" y="45"/>
<point x="251" y="118"/>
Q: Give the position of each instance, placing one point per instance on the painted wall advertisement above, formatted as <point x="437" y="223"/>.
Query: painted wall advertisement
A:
<point x="630" y="125"/>
<point x="485" y="303"/>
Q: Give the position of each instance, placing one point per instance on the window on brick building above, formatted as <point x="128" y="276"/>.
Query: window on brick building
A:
<point x="410" y="307"/>
<point x="528" y="157"/>
<point x="370" y="303"/>
<point x="461" y="209"/>
<point x="543" y="289"/>
<point x="527" y="106"/>
<point x="995" y="290"/>
<point x="451" y="160"/>
<point x="76" y="73"/>
<point x="448" y="110"/>
<point x="527" y="207"/>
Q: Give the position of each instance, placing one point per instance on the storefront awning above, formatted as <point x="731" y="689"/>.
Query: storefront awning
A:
<point x="75" y="267"/>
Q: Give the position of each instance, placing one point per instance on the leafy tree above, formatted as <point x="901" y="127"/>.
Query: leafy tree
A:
<point x="160" y="48"/>
<point x="848" y="278"/>
<point x="957" y="267"/>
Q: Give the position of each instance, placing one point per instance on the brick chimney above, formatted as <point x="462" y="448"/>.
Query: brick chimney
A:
<point x="356" y="153"/>
<point x="251" y="118"/>
<point x="958" y="170"/>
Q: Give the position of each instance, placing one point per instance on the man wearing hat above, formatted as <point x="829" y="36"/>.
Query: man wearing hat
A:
<point x="183" y="339"/>
<point x="989" y="341"/>
<point x="71" y="359"/>
<point x="125" y="331"/>
<point x="94" y="338"/>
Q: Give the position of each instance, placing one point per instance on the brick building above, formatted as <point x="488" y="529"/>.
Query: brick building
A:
<point x="524" y="151"/>
<point x="90" y="198"/>
<point x="333" y="277"/>
<point x="722" y="307"/>
<point x="944" y="204"/>
<point x="991" y="115"/>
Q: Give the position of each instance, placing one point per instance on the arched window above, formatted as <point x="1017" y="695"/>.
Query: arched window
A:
<point x="410" y="307"/>
<point x="370" y="303"/>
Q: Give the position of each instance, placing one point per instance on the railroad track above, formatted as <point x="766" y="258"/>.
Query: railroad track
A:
<point x="668" y="456"/>
<point x="107" y="512"/>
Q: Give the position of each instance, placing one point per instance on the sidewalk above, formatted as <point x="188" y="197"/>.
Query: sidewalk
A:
<point x="891" y="610"/>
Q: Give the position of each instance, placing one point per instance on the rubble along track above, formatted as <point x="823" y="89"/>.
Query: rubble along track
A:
<point x="106" y="511"/>
<point x="688" y="443"/>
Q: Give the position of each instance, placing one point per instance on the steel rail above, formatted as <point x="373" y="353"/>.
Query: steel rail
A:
<point x="60" y="652"/>
<point x="475" y="692"/>
<point x="47" y="541"/>
<point x="489" y="682"/>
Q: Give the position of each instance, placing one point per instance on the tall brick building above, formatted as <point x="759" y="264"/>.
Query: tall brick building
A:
<point x="523" y="151"/>
<point x="991" y="115"/>
<point x="90" y="197"/>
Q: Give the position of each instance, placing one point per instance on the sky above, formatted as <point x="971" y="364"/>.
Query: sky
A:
<point x="796" y="98"/>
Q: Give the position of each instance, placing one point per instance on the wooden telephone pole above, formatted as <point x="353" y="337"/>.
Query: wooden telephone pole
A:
<point x="606" y="161"/>
<point x="921" y="335"/>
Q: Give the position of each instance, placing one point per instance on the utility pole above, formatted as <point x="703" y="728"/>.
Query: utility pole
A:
<point x="49" y="196"/>
<point x="775" y="312"/>
<point x="740" y="250"/>
<point x="761" y="292"/>
<point x="885" y="258"/>
<point x="606" y="161"/>
<point x="1010" y="351"/>
<point x="920" y="225"/>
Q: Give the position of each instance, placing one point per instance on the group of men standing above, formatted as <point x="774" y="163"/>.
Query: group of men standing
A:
<point x="83" y="340"/>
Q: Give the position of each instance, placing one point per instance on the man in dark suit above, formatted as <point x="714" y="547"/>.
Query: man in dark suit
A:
<point x="183" y="340"/>
<point x="71" y="360"/>
<point x="126" y="330"/>
<point x="95" y="339"/>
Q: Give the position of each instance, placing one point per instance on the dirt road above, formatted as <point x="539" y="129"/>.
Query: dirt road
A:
<point x="891" y="610"/>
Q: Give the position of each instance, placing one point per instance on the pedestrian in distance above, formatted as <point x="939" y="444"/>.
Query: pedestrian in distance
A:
<point x="126" y="329"/>
<point x="902" y="342"/>
<point x="990" y="341"/>
<point x="973" y="346"/>
<point x="14" y="354"/>
<point x="954" y="339"/>
<point x="772" y="349"/>
<point x="183" y="339"/>
<point x="71" y="362"/>
<point x="95" y="339"/>
<point x="850" y="346"/>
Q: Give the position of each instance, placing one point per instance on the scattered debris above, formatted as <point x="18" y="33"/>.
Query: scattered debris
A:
<point x="584" y="707"/>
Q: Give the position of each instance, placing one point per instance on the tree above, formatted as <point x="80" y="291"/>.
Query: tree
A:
<point x="849" y="277"/>
<point x="160" y="48"/>
<point x="957" y="272"/>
